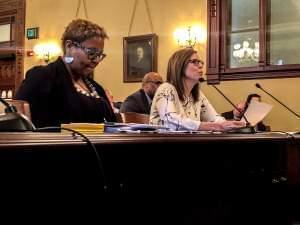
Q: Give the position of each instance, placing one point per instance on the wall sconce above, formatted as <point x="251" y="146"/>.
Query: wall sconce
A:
<point x="190" y="36"/>
<point x="47" y="51"/>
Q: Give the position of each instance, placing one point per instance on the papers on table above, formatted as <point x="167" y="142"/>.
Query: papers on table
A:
<point x="256" y="112"/>
<point x="131" y="127"/>
<point x="86" y="128"/>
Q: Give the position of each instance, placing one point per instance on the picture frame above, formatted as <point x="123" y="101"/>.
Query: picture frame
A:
<point x="139" y="56"/>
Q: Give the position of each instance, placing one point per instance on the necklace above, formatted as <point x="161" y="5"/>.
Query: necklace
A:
<point x="89" y="91"/>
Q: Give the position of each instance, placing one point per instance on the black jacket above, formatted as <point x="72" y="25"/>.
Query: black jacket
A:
<point x="54" y="100"/>
<point x="137" y="102"/>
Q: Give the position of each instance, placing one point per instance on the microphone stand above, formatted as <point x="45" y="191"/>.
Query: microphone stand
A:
<point x="260" y="87"/>
<point x="14" y="121"/>
<point x="9" y="108"/>
<point x="248" y="128"/>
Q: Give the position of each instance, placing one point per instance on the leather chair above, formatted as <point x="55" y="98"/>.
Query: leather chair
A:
<point x="132" y="117"/>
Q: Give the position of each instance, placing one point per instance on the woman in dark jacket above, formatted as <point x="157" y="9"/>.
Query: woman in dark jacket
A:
<point x="63" y="91"/>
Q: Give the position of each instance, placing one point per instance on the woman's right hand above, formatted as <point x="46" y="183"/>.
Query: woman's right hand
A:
<point x="221" y="126"/>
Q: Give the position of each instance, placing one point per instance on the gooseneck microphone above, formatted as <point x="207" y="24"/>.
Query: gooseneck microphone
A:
<point x="260" y="87"/>
<point x="248" y="125"/>
<point x="14" y="121"/>
<point x="9" y="108"/>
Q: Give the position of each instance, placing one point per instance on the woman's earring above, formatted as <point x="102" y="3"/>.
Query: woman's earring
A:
<point x="68" y="59"/>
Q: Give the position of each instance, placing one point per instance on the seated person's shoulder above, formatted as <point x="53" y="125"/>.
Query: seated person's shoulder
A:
<point x="134" y="97"/>
<point x="35" y="70"/>
<point x="166" y="87"/>
<point x="40" y="73"/>
<point x="166" y="90"/>
<point x="132" y="102"/>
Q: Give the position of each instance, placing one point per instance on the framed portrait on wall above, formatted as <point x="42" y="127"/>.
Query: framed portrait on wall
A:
<point x="139" y="56"/>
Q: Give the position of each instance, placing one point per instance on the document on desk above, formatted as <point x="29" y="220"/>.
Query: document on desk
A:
<point x="256" y="112"/>
<point x="131" y="127"/>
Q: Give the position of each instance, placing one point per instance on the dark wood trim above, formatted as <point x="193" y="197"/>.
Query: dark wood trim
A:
<point x="15" y="9"/>
<point x="213" y="44"/>
<point x="39" y="142"/>
<point x="217" y="63"/>
<point x="262" y="34"/>
<point x="56" y="139"/>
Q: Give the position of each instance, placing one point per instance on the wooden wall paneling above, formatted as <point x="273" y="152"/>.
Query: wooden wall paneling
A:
<point x="12" y="52"/>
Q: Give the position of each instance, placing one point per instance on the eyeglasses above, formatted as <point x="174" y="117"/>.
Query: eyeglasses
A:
<point x="196" y="62"/>
<point x="92" y="53"/>
<point x="158" y="82"/>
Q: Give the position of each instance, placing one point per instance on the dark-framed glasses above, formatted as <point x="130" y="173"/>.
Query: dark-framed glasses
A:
<point x="92" y="53"/>
<point x="196" y="62"/>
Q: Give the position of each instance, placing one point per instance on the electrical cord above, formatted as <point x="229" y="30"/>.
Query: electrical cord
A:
<point x="87" y="140"/>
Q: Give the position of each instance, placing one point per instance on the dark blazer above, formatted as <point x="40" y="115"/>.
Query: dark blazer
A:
<point x="259" y="127"/>
<point x="137" y="102"/>
<point x="54" y="100"/>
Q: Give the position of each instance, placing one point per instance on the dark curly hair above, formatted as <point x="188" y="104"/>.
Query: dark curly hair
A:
<point x="80" y="30"/>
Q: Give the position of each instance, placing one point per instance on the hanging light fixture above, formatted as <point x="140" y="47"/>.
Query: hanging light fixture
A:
<point x="190" y="36"/>
<point x="47" y="51"/>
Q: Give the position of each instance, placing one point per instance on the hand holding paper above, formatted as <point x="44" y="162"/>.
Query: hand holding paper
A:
<point x="256" y="112"/>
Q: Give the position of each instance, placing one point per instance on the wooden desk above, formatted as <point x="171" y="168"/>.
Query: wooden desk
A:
<point x="221" y="178"/>
<point x="267" y="153"/>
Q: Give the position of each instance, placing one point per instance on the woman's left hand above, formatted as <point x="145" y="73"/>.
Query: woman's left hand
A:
<point x="229" y="125"/>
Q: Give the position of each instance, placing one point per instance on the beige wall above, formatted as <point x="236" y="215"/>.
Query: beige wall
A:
<point x="52" y="16"/>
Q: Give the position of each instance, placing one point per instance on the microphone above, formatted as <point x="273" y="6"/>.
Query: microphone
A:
<point x="249" y="128"/>
<point x="9" y="108"/>
<point x="14" y="121"/>
<point x="260" y="87"/>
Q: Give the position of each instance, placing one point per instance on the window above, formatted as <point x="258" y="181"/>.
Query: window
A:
<point x="4" y="32"/>
<point x="253" y="39"/>
<point x="7" y="31"/>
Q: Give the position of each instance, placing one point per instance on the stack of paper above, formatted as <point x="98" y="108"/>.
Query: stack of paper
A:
<point x="129" y="127"/>
<point x="256" y="112"/>
<point x="87" y="128"/>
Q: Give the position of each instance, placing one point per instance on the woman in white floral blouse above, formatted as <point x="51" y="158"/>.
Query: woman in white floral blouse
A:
<point x="179" y="104"/>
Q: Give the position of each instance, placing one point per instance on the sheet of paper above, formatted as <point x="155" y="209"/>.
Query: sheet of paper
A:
<point x="256" y="112"/>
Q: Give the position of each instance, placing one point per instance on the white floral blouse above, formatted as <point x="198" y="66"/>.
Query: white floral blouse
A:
<point x="169" y="111"/>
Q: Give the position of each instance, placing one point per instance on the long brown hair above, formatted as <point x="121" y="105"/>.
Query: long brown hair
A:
<point x="176" y="72"/>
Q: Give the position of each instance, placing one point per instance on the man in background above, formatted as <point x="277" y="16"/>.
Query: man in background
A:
<point x="140" y="101"/>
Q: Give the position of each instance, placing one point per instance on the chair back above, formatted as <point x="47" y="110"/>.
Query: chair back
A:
<point x="22" y="107"/>
<point x="132" y="117"/>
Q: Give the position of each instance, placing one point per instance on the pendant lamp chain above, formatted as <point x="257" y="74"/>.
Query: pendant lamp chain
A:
<point x="84" y="7"/>
<point x="133" y="15"/>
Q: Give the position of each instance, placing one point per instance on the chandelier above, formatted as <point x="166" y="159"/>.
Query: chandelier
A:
<point x="243" y="53"/>
<point x="190" y="36"/>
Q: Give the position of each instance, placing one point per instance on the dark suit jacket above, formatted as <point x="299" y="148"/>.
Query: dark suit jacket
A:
<point x="137" y="102"/>
<point x="259" y="127"/>
<point x="54" y="100"/>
